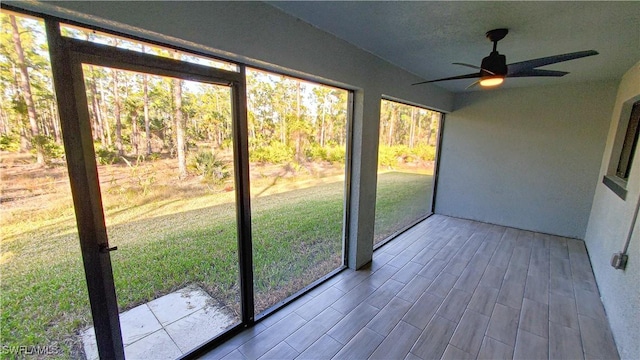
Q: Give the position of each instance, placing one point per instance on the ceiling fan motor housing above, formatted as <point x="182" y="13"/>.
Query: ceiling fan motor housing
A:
<point x="495" y="63"/>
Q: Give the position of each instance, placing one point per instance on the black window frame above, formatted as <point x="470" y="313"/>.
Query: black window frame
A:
<point x="626" y="144"/>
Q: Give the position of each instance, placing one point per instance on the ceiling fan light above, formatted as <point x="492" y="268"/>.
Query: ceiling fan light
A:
<point x="492" y="81"/>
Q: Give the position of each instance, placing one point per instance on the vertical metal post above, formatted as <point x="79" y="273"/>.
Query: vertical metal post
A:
<point x="85" y="189"/>
<point x="436" y="167"/>
<point x="243" y="201"/>
<point x="346" y="221"/>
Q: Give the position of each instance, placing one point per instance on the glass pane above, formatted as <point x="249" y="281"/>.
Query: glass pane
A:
<point x="43" y="294"/>
<point x="129" y="44"/>
<point x="297" y="146"/>
<point x="406" y="160"/>
<point x="165" y="156"/>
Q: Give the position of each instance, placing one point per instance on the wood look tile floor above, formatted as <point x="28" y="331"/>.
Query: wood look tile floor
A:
<point x="445" y="289"/>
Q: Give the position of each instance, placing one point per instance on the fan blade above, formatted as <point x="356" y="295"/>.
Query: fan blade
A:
<point x="538" y="72"/>
<point x="534" y="63"/>
<point x="472" y="84"/>
<point x="474" y="67"/>
<point x="468" y="76"/>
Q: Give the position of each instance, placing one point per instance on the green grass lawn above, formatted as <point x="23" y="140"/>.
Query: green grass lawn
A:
<point x="296" y="239"/>
<point x="401" y="199"/>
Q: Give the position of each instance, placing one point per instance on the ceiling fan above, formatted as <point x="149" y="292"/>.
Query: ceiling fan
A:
<point x="494" y="68"/>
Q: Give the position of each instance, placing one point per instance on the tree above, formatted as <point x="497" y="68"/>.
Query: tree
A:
<point x="412" y="128"/>
<point x="300" y="127"/>
<point x="261" y="107"/>
<point x="93" y="97"/>
<point x="145" y="100"/>
<point x="178" y="120"/>
<point x="117" y="105"/>
<point x="393" y="117"/>
<point x="324" y="100"/>
<point x="147" y="119"/>
<point x="26" y="91"/>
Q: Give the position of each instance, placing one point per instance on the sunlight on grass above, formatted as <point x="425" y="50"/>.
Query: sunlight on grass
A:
<point x="401" y="199"/>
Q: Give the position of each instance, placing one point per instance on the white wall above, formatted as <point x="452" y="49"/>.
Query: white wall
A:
<point x="527" y="157"/>
<point x="261" y="35"/>
<point x="608" y="228"/>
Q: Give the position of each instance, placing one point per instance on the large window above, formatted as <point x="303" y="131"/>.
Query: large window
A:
<point x="406" y="166"/>
<point x="297" y="151"/>
<point x="222" y="188"/>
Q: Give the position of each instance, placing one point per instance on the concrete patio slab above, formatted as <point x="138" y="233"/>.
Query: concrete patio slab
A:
<point x="196" y="328"/>
<point x="157" y="346"/>
<point x="179" y="304"/>
<point x="138" y="323"/>
<point x="167" y="327"/>
<point x="88" y="337"/>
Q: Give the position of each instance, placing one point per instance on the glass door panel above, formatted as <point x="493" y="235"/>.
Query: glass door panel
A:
<point x="165" y="164"/>
<point x="406" y="166"/>
<point x="297" y="146"/>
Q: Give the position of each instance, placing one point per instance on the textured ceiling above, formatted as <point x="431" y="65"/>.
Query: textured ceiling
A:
<point x="424" y="38"/>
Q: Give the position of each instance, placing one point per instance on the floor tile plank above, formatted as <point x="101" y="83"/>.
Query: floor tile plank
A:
<point x="454" y="305"/>
<point x="504" y="324"/>
<point x="470" y="332"/>
<point x="389" y="316"/>
<point x="381" y="297"/>
<point x="492" y="277"/>
<point x="564" y="343"/>
<point x="453" y="353"/>
<point x="492" y="349"/>
<point x="346" y="328"/>
<point x="318" y="304"/>
<point x="325" y="348"/>
<point x="360" y="346"/>
<point x="483" y="300"/>
<point x="398" y="343"/>
<point x="511" y="294"/>
<point x="442" y="284"/>
<point x="597" y="340"/>
<point x="534" y="318"/>
<point x="414" y="289"/>
<point x="434" y="339"/>
<point x="282" y="351"/>
<point x="537" y="288"/>
<point x="407" y="272"/>
<point x="422" y="311"/>
<point x="562" y="311"/>
<point x="353" y="298"/>
<point x="589" y="304"/>
<point x="314" y="329"/>
<point x="266" y="340"/>
<point x="531" y="347"/>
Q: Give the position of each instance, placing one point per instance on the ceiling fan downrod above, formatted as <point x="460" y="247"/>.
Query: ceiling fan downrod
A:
<point x="496" y="35"/>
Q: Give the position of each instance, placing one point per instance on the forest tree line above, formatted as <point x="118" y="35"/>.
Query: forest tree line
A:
<point x="138" y="115"/>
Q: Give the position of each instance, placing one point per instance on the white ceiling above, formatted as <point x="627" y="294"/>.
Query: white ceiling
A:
<point x="425" y="37"/>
